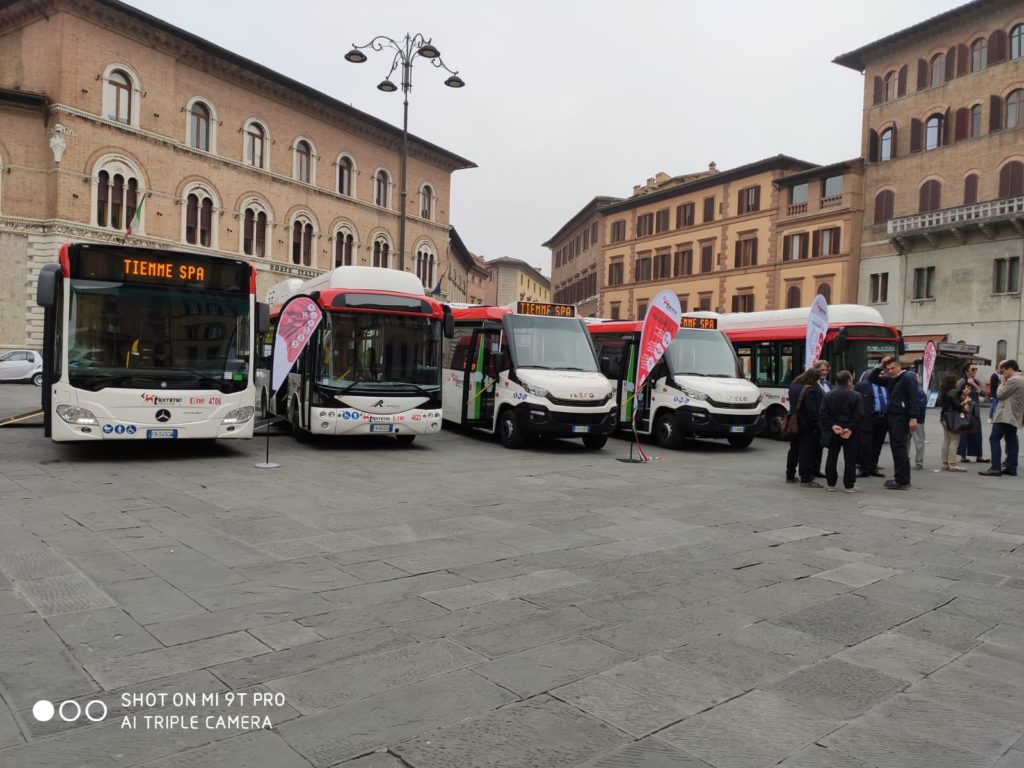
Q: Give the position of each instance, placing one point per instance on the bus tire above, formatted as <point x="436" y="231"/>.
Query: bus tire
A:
<point x="773" y="420"/>
<point x="740" y="441"/>
<point x="666" y="430"/>
<point x="595" y="442"/>
<point x="509" y="431"/>
<point x="298" y="432"/>
<point x="405" y="439"/>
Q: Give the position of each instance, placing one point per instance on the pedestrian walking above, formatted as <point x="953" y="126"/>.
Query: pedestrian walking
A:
<point x="805" y="401"/>
<point x="902" y="413"/>
<point x="842" y="411"/>
<point x="918" y="435"/>
<point x="950" y="404"/>
<point x="1008" y="419"/>
<point x="876" y="402"/>
<point x="970" y="441"/>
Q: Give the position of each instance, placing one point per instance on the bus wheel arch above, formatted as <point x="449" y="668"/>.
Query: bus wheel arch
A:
<point x="773" y="418"/>
<point x="510" y="432"/>
<point x="595" y="442"/>
<point x="294" y="421"/>
<point x="666" y="429"/>
<point x="740" y="441"/>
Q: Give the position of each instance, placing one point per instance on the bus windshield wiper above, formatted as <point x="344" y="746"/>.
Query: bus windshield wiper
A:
<point x="97" y="381"/>
<point x="691" y="373"/>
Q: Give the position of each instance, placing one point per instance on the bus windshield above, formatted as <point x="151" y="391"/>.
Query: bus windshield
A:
<point x="392" y="350"/>
<point x="130" y="336"/>
<point x="702" y="353"/>
<point x="550" y="342"/>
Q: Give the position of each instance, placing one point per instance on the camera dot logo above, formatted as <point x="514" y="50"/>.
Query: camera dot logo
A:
<point x="43" y="711"/>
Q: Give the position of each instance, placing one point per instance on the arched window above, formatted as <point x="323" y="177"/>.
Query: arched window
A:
<point x="890" y="86"/>
<point x="887" y="145"/>
<point x="427" y="202"/>
<point x="976" y="121"/>
<point x="826" y="291"/>
<point x="1011" y="179"/>
<point x="381" y="188"/>
<point x="979" y="54"/>
<point x="199" y="126"/>
<point x="302" y="242"/>
<point x="255" y="145"/>
<point x="930" y="196"/>
<point x="426" y="266"/>
<point x="938" y="69"/>
<point x="1001" y="350"/>
<point x="117" y="196"/>
<point x="793" y="297"/>
<point x="885" y="203"/>
<point x="303" y="162"/>
<point x="119" y="93"/>
<point x="344" y="248"/>
<point x="933" y="132"/>
<point x="971" y="189"/>
<point x="345" y="176"/>
<point x="254" y="231"/>
<point x="1017" y="41"/>
<point x="1015" y="109"/>
<point x="381" y="252"/>
<point x="199" y="218"/>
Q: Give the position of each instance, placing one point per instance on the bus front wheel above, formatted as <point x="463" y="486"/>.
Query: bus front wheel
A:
<point x="740" y="441"/>
<point x="774" y="419"/>
<point x="666" y="431"/>
<point x="595" y="442"/>
<point x="405" y="439"/>
<point x="509" y="431"/>
<point x="298" y="432"/>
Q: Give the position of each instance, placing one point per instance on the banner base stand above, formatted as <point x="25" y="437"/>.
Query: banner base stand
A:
<point x="267" y="465"/>
<point x="632" y="461"/>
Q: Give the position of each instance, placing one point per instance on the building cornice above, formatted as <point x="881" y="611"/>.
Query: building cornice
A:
<point x="585" y="212"/>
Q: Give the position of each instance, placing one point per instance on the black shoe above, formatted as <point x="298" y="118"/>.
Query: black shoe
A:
<point x="818" y="474"/>
<point x="892" y="485"/>
<point x="1010" y="472"/>
<point x="982" y="461"/>
<point x="790" y="479"/>
<point x="990" y="472"/>
<point x="876" y="473"/>
<point x="863" y="474"/>
<point x="811" y="484"/>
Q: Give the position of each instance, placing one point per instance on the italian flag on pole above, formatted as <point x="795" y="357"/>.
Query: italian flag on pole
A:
<point x="137" y="218"/>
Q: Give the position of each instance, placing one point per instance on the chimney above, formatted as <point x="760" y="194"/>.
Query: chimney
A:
<point x="712" y="168"/>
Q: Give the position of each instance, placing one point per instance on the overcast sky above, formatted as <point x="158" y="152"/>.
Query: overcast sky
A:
<point x="568" y="99"/>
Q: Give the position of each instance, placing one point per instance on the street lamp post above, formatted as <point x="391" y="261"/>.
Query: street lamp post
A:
<point x="405" y="52"/>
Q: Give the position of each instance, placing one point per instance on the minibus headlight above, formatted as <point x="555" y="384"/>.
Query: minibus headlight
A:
<point x="532" y="390"/>
<point x="693" y="394"/>
<point x="80" y="417"/>
<point x="239" y="415"/>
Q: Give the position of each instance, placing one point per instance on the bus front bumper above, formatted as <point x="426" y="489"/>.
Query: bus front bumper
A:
<point x="700" y="422"/>
<point x="349" y="421"/>
<point x="541" y="420"/>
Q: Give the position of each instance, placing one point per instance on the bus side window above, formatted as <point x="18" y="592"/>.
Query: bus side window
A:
<point x="457" y="348"/>
<point x="745" y="355"/>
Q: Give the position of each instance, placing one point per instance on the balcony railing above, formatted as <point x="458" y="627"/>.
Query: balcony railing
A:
<point x="796" y="208"/>
<point x="978" y="213"/>
<point x="832" y="201"/>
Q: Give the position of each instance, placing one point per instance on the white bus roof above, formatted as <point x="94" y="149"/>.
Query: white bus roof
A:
<point x="838" y="314"/>
<point x="360" y="278"/>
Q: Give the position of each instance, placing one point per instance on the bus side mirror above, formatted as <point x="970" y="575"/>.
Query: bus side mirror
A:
<point x="449" y="322"/>
<point x="46" y="288"/>
<point x="262" y="317"/>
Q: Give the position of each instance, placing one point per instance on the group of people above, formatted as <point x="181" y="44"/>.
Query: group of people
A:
<point x="854" y="419"/>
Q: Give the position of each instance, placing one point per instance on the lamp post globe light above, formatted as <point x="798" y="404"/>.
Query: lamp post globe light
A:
<point x="405" y="52"/>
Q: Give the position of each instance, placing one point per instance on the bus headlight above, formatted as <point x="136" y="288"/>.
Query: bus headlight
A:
<point x="694" y="394"/>
<point x="80" y="417"/>
<point x="239" y="415"/>
<point x="532" y="390"/>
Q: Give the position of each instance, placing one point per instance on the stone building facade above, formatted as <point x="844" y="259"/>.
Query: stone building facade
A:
<point x="943" y="137"/>
<point x="109" y="115"/>
<point x="515" y="280"/>
<point x="576" y="258"/>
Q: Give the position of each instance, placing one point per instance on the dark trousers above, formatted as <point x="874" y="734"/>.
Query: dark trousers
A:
<point x="808" y="452"/>
<point x="873" y="441"/>
<point x="899" y="443"/>
<point x="849" y="449"/>
<point x="1006" y="432"/>
<point x="792" y="458"/>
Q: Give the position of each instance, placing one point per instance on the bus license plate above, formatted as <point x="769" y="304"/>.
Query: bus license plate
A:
<point x="161" y="434"/>
<point x="381" y="427"/>
<point x="736" y="429"/>
<point x="580" y="430"/>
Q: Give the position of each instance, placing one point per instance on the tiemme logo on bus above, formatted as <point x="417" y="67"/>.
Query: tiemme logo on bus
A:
<point x="151" y="399"/>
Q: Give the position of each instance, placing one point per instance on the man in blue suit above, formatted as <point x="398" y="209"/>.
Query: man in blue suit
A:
<point x="903" y="413"/>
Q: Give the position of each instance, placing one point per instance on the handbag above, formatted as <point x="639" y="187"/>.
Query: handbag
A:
<point x="790" y="425"/>
<point x="958" y="422"/>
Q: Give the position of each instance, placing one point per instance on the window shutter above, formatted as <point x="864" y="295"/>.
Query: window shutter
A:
<point x="996" y="47"/>
<point x="816" y="244"/>
<point x="963" y="119"/>
<point x="757" y="198"/>
<point x="936" y="195"/>
<point x="922" y="199"/>
<point x="951" y="64"/>
<point x="922" y="74"/>
<point x="739" y="249"/>
<point x="877" y="97"/>
<point x="895" y="136"/>
<point x="963" y="58"/>
<point x="995" y="111"/>
<point x="735" y="303"/>
<point x="947" y="129"/>
<point x="971" y="189"/>
<point x="915" y="135"/>
<point x="786" y="247"/>
<point x="901" y="82"/>
<point x="741" y="207"/>
<point x="872" y="146"/>
<point x="804" y="239"/>
<point x="753" y="252"/>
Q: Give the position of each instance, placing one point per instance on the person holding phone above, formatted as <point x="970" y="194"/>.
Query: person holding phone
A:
<point x="903" y="413"/>
<point x="1007" y="420"/>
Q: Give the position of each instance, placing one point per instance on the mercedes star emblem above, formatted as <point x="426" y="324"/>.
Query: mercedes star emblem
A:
<point x="163" y="415"/>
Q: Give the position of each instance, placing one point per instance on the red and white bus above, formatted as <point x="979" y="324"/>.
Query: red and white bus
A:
<point x="373" y="366"/>
<point x="770" y="346"/>
<point x="695" y="390"/>
<point x="526" y="370"/>
<point x="147" y="343"/>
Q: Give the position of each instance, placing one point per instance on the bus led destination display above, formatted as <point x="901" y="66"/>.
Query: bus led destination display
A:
<point x="702" y="323"/>
<point x="173" y="269"/>
<point x="545" y="309"/>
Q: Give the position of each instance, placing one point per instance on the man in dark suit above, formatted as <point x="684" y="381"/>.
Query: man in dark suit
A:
<point x="874" y="425"/>
<point x="903" y="412"/>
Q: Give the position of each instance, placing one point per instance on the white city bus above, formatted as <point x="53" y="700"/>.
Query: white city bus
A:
<point x="373" y="366"/>
<point x="147" y="343"/>
<point x="527" y="370"/>
<point x="770" y="347"/>
<point x="695" y="390"/>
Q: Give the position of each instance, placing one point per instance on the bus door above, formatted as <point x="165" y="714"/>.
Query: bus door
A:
<point x="481" y="380"/>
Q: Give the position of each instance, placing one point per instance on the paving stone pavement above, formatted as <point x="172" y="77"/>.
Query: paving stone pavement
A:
<point x="453" y="603"/>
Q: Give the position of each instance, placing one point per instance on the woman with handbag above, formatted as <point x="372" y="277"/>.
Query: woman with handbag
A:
<point x="954" y="415"/>
<point x="970" y="438"/>
<point x="805" y="401"/>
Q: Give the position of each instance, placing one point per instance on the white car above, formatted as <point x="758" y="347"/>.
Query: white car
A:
<point x="22" y="365"/>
